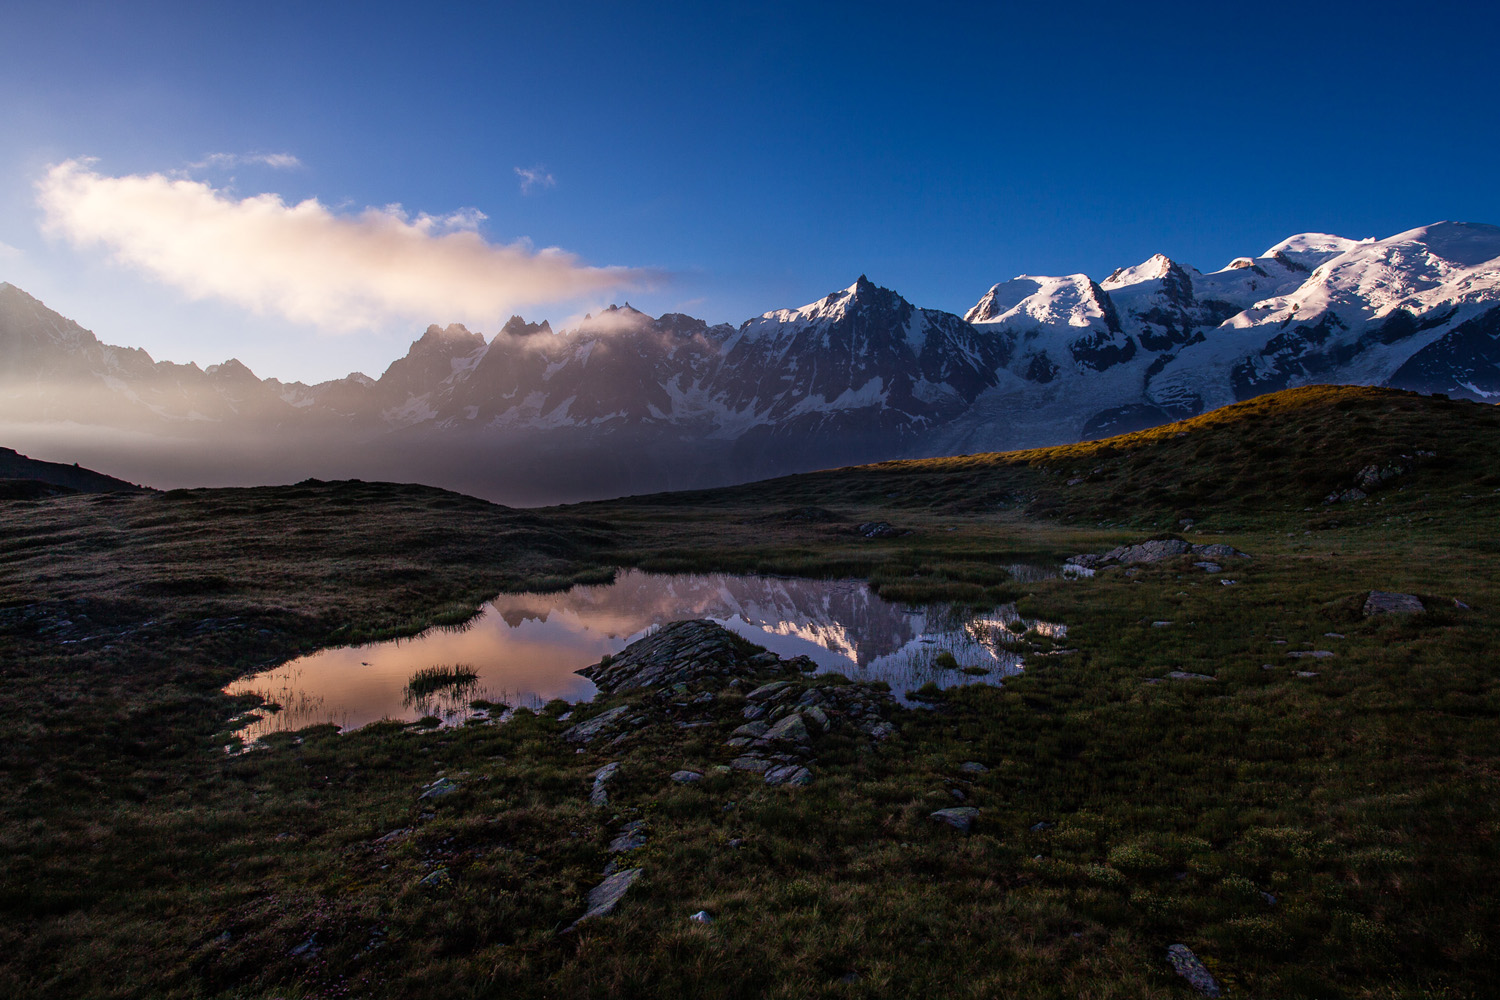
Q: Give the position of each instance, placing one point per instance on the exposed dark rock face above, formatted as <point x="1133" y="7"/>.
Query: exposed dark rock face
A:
<point x="676" y="653"/>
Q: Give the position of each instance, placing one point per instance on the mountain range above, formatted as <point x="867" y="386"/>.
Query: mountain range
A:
<point x="625" y="402"/>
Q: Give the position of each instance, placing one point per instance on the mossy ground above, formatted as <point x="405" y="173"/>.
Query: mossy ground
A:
<point x="137" y="859"/>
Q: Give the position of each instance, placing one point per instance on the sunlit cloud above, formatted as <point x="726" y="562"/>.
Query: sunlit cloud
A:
<point x="535" y="177"/>
<point x="308" y="263"/>
<point x="223" y="161"/>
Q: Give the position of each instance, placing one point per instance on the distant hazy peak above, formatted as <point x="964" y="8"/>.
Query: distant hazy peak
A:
<point x="455" y="338"/>
<point x="518" y="327"/>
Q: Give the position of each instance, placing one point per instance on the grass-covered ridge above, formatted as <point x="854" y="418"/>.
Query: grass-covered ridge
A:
<point x="1120" y="811"/>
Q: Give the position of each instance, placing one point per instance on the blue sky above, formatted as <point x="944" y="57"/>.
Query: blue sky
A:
<point x="730" y="160"/>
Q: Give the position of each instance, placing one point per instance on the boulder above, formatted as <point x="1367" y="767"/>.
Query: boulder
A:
<point x="1381" y="602"/>
<point x="1190" y="968"/>
<point x="686" y="777"/>
<point x="587" y="730"/>
<point x="754" y="730"/>
<point x="789" y="728"/>
<point x="770" y="692"/>
<point x="679" y="653"/>
<point x="789" y="774"/>
<point x="961" y="818"/>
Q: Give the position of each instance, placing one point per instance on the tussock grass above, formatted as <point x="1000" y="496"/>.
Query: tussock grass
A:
<point x="436" y="678"/>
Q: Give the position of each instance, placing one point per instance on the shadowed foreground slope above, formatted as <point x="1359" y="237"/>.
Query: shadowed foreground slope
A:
<point x="1310" y="826"/>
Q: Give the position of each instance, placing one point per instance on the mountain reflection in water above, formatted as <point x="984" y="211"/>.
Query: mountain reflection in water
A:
<point x="525" y="648"/>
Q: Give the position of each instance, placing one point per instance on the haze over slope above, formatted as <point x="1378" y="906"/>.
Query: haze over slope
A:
<point x="627" y="403"/>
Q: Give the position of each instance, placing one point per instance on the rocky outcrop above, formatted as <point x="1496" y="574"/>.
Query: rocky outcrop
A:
<point x="1381" y="602"/>
<point x="1155" y="550"/>
<point x="681" y="652"/>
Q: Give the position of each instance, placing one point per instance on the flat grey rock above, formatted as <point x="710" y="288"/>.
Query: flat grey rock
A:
<point x="1310" y="654"/>
<point x="599" y="795"/>
<point x="631" y="836"/>
<point x="1381" y="602"/>
<point x="972" y="767"/>
<point x="753" y="729"/>
<point x="590" y="728"/>
<point x="1183" y="675"/>
<point x="755" y="764"/>
<point x="790" y="728"/>
<point x="438" y="789"/>
<point x="959" y="817"/>
<point x="766" y="692"/>
<point x="788" y="774"/>
<point x="604" y="897"/>
<point x="686" y="777"/>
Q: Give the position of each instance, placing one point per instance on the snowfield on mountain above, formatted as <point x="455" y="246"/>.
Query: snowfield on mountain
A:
<point x="859" y="375"/>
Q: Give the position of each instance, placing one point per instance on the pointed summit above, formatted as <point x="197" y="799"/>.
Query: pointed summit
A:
<point x="453" y="339"/>
<point x="518" y="327"/>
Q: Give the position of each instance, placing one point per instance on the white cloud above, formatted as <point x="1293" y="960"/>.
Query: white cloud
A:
<point x="535" y="177"/>
<point x="8" y="252"/>
<point x="278" y="161"/>
<point x="308" y="263"/>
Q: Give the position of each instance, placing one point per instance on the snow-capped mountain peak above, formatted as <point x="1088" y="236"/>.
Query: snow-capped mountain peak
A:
<point x="1071" y="301"/>
<point x="1156" y="268"/>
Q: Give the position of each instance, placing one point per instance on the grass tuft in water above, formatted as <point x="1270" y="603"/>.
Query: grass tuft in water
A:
<point x="430" y="679"/>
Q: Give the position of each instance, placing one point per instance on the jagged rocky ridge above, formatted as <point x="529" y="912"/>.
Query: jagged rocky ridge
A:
<point x="629" y="403"/>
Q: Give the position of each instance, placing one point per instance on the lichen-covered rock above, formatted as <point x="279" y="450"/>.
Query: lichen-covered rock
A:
<point x="681" y="652"/>
<point x="791" y="728"/>
<point x="1190" y="968"/>
<point x="599" y="794"/>
<point x="753" y="729"/>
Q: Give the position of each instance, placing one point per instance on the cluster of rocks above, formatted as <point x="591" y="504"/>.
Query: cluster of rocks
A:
<point x="679" y="653"/>
<point x="879" y="529"/>
<point x="784" y="717"/>
<point x="689" y="674"/>
<point x="1376" y="475"/>
<point x="784" y="721"/>
<point x="1157" y="550"/>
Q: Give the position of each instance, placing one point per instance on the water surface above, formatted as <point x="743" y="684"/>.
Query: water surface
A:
<point x="526" y="648"/>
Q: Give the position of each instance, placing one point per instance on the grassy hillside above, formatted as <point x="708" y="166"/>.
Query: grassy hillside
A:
<point x="1328" y="835"/>
<point x="15" y="466"/>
